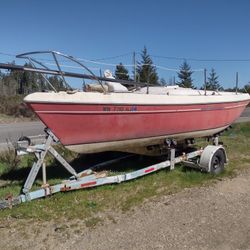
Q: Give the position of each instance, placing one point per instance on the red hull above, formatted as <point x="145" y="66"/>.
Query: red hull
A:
<point x="77" y="124"/>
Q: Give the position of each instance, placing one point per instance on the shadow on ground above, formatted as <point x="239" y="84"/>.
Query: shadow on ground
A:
<point x="82" y="162"/>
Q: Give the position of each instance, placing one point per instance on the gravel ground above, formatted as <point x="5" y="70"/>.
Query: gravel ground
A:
<point x="214" y="217"/>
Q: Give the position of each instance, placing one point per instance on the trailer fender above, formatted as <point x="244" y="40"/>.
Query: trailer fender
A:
<point x="213" y="158"/>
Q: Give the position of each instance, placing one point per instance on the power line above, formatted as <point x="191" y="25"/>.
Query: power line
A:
<point x="98" y="62"/>
<point x="69" y="66"/>
<point x="47" y="60"/>
<point x="6" y="54"/>
<point x="156" y="56"/>
<point x="126" y="65"/>
<point x="113" y="57"/>
<point x="201" y="60"/>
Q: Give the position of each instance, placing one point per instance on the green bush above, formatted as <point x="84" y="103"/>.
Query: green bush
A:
<point x="9" y="159"/>
<point x="14" y="106"/>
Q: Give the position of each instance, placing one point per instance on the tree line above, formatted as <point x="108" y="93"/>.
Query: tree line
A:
<point x="21" y="82"/>
<point x="146" y="72"/>
<point x="18" y="82"/>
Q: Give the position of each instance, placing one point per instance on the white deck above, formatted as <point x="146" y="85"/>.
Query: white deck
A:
<point x="178" y="96"/>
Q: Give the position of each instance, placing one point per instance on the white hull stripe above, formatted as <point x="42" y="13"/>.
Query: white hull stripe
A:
<point x="141" y="112"/>
<point x="87" y="98"/>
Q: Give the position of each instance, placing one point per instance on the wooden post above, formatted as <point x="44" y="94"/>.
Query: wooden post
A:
<point x="44" y="173"/>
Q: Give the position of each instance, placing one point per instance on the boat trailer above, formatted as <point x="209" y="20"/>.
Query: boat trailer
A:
<point x="210" y="159"/>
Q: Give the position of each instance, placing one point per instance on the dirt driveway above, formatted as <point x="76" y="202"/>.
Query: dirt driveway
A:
<point x="214" y="217"/>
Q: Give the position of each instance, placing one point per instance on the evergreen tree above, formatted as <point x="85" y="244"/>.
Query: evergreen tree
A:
<point x="10" y="82"/>
<point x="121" y="72"/>
<point x="247" y="88"/>
<point x="9" y="85"/>
<point x="42" y="83"/>
<point x="213" y="83"/>
<point x="28" y="81"/>
<point x="163" y="82"/>
<point x="185" y="76"/>
<point x="171" y="81"/>
<point x="23" y="82"/>
<point x="57" y="83"/>
<point x="146" y="71"/>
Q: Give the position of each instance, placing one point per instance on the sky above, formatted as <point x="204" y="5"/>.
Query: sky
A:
<point x="208" y="33"/>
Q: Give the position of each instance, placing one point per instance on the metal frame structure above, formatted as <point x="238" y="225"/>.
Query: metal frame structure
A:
<point x="89" y="178"/>
<point x="55" y="55"/>
<point x="41" y="68"/>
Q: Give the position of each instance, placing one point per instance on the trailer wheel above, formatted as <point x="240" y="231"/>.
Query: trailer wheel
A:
<point x="217" y="162"/>
<point x="212" y="159"/>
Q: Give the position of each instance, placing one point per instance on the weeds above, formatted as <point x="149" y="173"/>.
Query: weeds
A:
<point x="93" y="221"/>
<point x="9" y="159"/>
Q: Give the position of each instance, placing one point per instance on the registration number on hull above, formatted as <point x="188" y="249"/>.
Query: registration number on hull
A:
<point x="120" y="108"/>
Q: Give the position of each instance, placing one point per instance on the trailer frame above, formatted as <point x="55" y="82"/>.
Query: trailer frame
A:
<point x="89" y="178"/>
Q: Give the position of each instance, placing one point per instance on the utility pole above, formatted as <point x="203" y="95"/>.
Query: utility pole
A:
<point x="236" y="83"/>
<point x="148" y="83"/>
<point x="134" y="62"/>
<point x="205" y="81"/>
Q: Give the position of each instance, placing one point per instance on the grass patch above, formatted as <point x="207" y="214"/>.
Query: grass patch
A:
<point x="93" y="221"/>
<point x="86" y="204"/>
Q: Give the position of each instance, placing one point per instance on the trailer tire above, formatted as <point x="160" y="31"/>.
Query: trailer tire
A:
<point x="217" y="162"/>
<point x="25" y="138"/>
